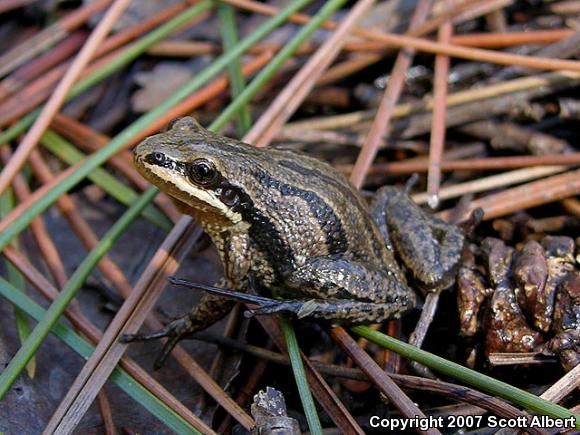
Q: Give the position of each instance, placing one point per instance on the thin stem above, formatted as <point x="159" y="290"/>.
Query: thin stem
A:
<point x="300" y="376"/>
<point x="227" y="17"/>
<point x="17" y="280"/>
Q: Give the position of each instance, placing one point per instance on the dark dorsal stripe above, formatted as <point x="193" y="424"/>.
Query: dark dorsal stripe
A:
<point x="340" y="187"/>
<point x="336" y="239"/>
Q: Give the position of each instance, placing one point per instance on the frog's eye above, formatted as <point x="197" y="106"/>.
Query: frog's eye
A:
<point x="157" y="158"/>
<point x="202" y="171"/>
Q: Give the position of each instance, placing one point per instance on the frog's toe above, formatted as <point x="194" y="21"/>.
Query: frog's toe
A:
<point x="173" y="331"/>
<point x="129" y="338"/>
<point x="167" y="348"/>
<point x="289" y="306"/>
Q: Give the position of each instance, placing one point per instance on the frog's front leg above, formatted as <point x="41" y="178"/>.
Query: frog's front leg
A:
<point x="343" y="290"/>
<point x="211" y="308"/>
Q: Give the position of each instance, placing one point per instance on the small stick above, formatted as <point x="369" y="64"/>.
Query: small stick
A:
<point x="504" y="135"/>
<point x="188" y="49"/>
<point x="565" y="386"/>
<point x="483" y="164"/>
<point x="508" y="39"/>
<point x="492" y="182"/>
<point x="507" y="359"/>
<point x="421" y="328"/>
<point x="438" y="127"/>
<point x="106" y="414"/>
<point x="48" y="249"/>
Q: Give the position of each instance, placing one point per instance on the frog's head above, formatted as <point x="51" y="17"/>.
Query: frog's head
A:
<point x="206" y="172"/>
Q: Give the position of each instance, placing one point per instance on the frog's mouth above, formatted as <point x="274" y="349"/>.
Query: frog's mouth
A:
<point x="170" y="177"/>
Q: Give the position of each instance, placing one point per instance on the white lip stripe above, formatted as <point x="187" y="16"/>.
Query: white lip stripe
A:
<point x="202" y="195"/>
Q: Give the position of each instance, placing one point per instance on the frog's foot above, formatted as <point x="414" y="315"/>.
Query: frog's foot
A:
<point x="299" y="307"/>
<point x="474" y="219"/>
<point x="340" y="310"/>
<point x="410" y="183"/>
<point x="173" y="331"/>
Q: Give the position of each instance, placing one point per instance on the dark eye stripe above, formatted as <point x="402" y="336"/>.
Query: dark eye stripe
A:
<point x="162" y="160"/>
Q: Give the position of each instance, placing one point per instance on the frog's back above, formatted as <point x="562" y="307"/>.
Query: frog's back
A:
<point x="315" y="209"/>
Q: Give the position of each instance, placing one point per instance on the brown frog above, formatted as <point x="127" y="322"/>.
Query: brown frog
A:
<point x="297" y="227"/>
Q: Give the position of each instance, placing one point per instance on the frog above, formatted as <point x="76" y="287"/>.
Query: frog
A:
<point x="287" y="225"/>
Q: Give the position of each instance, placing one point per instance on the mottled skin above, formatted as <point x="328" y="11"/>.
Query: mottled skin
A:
<point x="430" y="248"/>
<point x="293" y="224"/>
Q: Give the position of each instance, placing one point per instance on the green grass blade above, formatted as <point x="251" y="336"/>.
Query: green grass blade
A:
<point x="228" y="29"/>
<point x="127" y="383"/>
<point x="65" y="151"/>
<point x="470" y="377"/>
<point x="101" y="156"/>
<point x="277" y="62"/>
<point x="56" y="309"/>
<point x="128" y="55"/>
<point x="300" y="376"/>
<point x="7" y="202"/>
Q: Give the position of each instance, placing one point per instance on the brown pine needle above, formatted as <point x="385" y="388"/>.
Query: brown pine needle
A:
<point x="87" y="329"/>
<point x="388" y="102"/>
<point x="53" y="105"/>
<point x="564" y="386"/>
<point x="293" y="94"/>
<point x="383" y="382"/>
<point x="526" y="196"/>
<point x="438" y="129"/>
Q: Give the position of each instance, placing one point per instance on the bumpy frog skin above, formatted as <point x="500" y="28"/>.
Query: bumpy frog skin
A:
<point x="292" y="223"/>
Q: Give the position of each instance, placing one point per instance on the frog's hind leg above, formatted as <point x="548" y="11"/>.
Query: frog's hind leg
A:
<point x="344" y="290"/>
<point x="339" y="310"/>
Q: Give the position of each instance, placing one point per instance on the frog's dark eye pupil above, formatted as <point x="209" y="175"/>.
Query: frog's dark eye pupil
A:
<point x="202" y="172"/>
